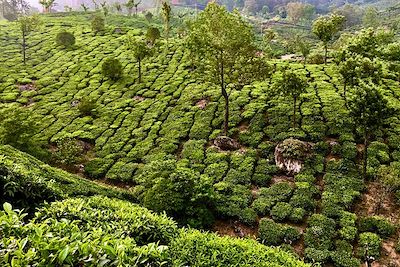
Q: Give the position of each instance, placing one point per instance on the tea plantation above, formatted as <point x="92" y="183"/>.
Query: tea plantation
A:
<point x="152" y="143"/>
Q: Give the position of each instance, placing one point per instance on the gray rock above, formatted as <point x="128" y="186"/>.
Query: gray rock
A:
<point x="226" y="143"/>
<point x="290" y="155"/>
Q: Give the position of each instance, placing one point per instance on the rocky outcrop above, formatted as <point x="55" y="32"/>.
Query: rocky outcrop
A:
<point x="290" y="155"/>
<point x="226" y="143"/>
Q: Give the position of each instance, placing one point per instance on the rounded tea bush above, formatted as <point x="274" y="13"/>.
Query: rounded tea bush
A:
<point x="98" y="23"/>
<point x="112" y="69"/>
<point x="65" y="39"/>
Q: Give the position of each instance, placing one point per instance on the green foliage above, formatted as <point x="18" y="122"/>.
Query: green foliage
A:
<point x="98" y="23"/>
<point x="377" y="224"/>
<point x="101" y="230"/>
<point x="27" y="182"/>
<point x="293" y="149"/>
<point x="220" y="38"/>
<point x="27" y="24"/>
<point x="369" y="109"/>
<point x="347" y="222"/>
<point x="271" y="233"/>
<point x="199" y="249"/>
<point x="320" y="233"/>
<point x="87" y="106"/>
<point x="177" y="190"/>
<point x="370" y="245"/>
<point x="98" y="167"/>
<point x="291" y="85"/>
<point x="343" y="256"/>
<point x="68" y="151"/>
<point x="166" y="15"/>
<point x="152" y="34"/>
<point x="140" y="51"/>
<point x="112" y="69"/>
<point x="65" y="39"/>
<point x="18" y="128"/>
<point x="326" y="27"/>
<point x="281" y="211"/>
<point x="124" y="233"/>
<point x="367" y="42"/>
<point x="297" y="215"/>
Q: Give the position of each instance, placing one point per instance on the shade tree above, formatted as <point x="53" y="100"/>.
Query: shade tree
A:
<point x="326" y="27"/>
<point x="292" y="85"/>
<point x="139" y="50"/>
<point x="98" y="23"/>
<point x="303" y="46"/>
<point x="166" y="16"/>
<point x="353" y="69"/>
<point x="152" y="35"/>
<point x="178" y="190"/>
<point x="47" y="5"/>
<point x="223" y="46"/>
<point x="369" y="110"/>
<point x="297" y="11"/>
<point x="12" y="9"/>
<point x="112" y="68"/>
<point x="27" y="24"/>
<point x="132" y="4"/>
<point x="65" y="39"/>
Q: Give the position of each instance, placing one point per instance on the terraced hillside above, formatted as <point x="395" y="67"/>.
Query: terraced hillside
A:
<point x="95" y="229"/>
<point x="169" y="122"/>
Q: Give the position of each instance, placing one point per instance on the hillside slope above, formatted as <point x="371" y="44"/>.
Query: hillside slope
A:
<point x="101" y="231"/>
<point x="27" y="181"/>
<point x="158" y="139"/>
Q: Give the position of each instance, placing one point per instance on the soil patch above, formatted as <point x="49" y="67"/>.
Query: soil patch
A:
<point x="370" y="202"/>
<point x="369" y="206"/>
<point x="389" y="256"/>
<point x="331" y="157"/>
<point x="234" y="229"/>
<point x="138" y="98"/>
<point x="202" y="103"/>
<point x="282" y="179"/>
<point x="243" y="126"/>
<point x="27" y="87"/>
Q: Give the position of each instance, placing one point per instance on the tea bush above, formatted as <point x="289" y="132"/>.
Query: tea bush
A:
<point x="65" y="39"/>
<point x="370" y="245"/>
<point x="28" y="182"/>
<point x="272" y="233"/>
<point x="100" y="230"/>
<point x="112" y="68"/>
<point x="378" y="225"/>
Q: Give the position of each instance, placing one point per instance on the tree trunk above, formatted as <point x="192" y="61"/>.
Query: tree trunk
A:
<point x="326" y="54"/>
<point x="345" y="93"/>
<point x="365" y="155"/>
<point x="294" y="112"/>
<point x="305" y="60"/>
<point x="226" y="118"/>
<point x="136" y="10"/>
<point x="224" y="93"/>
<point x="140" y="70"/>
<point x="24" y="46"/>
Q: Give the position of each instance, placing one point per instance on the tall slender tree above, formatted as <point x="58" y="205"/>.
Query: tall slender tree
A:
<point x="140" y="51"/>
<point x="223" y="48"/>
<point x="27" y="24"/>
<point x="166" y="15"/>
<point x="293" y="85"/>
<point x="47" y="5"/>
<point x="325" y="28"/>
<point x="12" y="9"/>
<point x="369" y="110"/>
